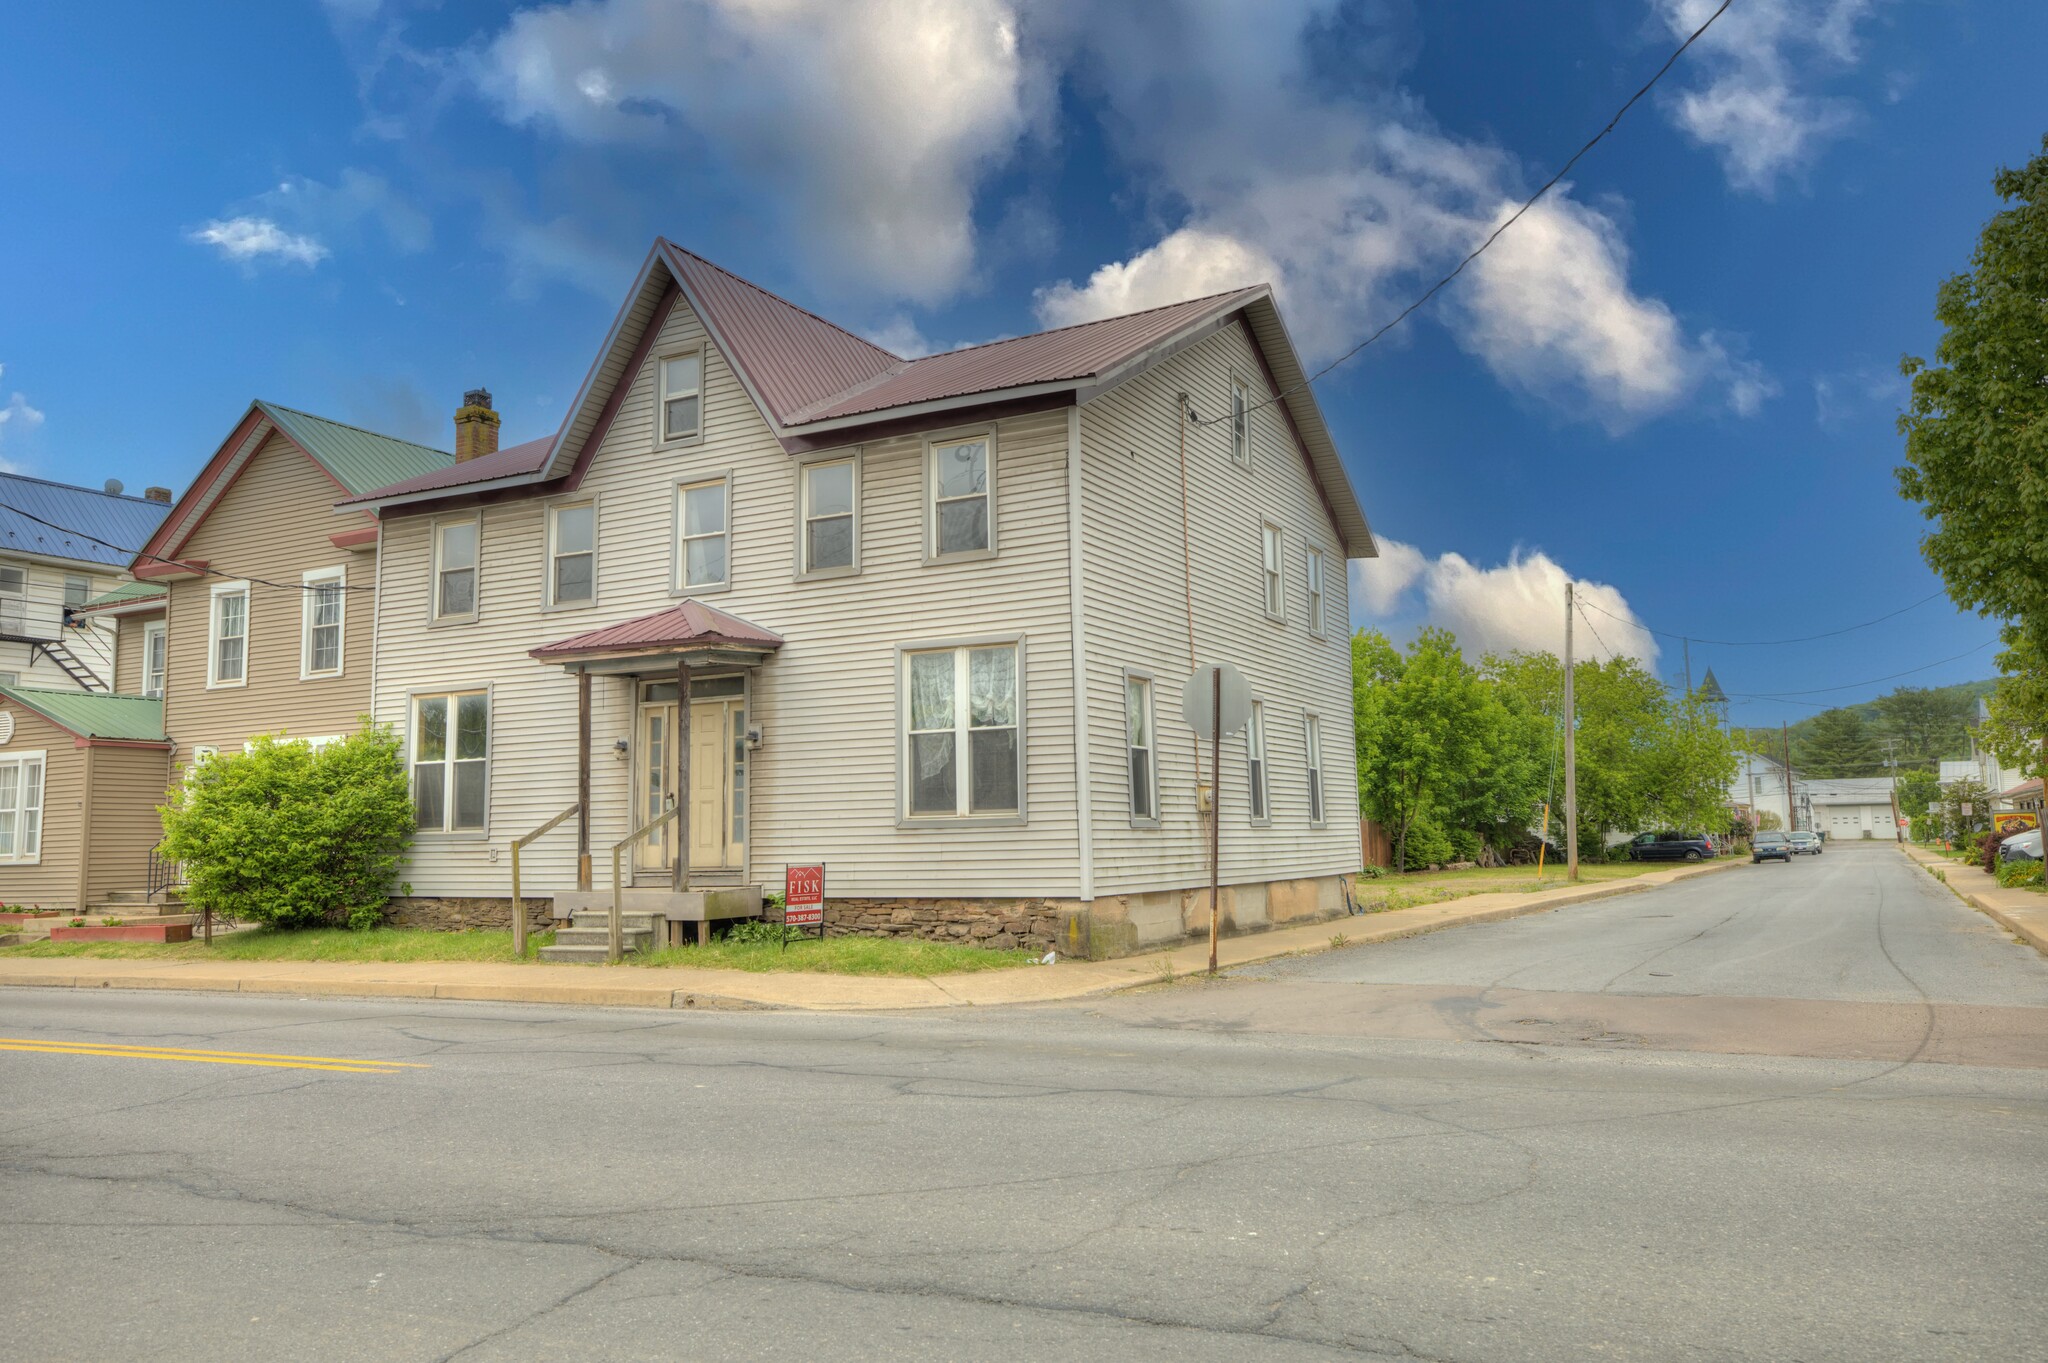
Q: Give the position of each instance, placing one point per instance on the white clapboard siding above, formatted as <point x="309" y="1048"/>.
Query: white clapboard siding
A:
<point x="823" y="786"/>
<point x="1136" y="618"/>
<point x="40" y="611"/>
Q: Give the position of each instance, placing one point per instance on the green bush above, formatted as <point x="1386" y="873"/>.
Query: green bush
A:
<point x="1428" y="845"/>
<point x="285" y="836"/>
<point x="2020" y="874"/>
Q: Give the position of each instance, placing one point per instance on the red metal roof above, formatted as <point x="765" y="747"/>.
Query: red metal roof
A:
<point x="792" y="358"/>
<point x="688" y="624"/>
<point x="509" y="462"/>
<point x="2031" y="786"/>
<point x="1085" y="350"/>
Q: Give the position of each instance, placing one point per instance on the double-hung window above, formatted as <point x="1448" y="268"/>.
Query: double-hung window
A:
<point x="1240" y="424"/>
<point x="13" y="601"/>
<point x="228" y="638"/>
<point x="962" y="755"/>
<point x="682" y="396"/>
<point x="1144" y="761"/>
<point x="455" y="556"/>
<point x="1312" y="735"/>
<point x="572" y="554"/>
<point x="77" y="589"/>
<point x="451" y="745"/>
<point x="21" y="807"/>
<point x="1269" y="548"/>
<point x="1315" y="592"/>
<point x="829" y="516"/>
<point x="963" y="497"/>
<point x="1255" y="759"/>
<point x="155" y="648"/>
<point x="321" y="622"/>
<point x="703" y="544"/>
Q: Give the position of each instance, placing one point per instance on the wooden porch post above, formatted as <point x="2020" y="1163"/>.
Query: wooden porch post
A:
<point x="583" y="780"/>
<point x="682" y="869"/>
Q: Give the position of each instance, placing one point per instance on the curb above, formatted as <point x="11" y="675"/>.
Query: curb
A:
<point x="1133" y="972"/>
<point x="2029" y="924"/>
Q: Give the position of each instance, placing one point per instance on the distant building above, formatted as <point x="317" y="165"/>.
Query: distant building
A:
<point x="1852" y="809"/>
<point x="1758" y="788"/>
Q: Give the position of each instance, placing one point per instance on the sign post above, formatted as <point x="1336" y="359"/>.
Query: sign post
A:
<point x="803" y="899"/>
<point x="1215" y="700"/>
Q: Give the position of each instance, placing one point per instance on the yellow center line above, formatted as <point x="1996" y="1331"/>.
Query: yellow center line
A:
<point x="261" y="1059"/>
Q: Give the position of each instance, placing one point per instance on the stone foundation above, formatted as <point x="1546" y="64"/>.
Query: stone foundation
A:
<point x="449" y="913"/>
<point x="1114" y="925"/>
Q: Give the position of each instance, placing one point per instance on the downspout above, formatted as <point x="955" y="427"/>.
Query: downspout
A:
<point x="1084" y="803"/>
<point x="1187" y="573"/>
<point x="84" y="819"/>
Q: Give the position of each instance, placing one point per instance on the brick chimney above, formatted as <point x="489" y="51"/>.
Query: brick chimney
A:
<point x="157" y="494"/>
<point x="476" y="426"/>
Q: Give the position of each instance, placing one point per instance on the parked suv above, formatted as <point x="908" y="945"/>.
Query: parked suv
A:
<point x="2021" y="846"/>
<point x="1670" y="847"/>
<point x="1770" y="847"/>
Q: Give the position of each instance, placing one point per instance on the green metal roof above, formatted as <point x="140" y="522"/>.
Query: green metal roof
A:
<point x="94" y="714"/>
<point x="360" y="460"/>
<point x="124" y="594"/>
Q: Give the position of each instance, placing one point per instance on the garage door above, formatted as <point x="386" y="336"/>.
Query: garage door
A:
<point x="1845" y="823"/>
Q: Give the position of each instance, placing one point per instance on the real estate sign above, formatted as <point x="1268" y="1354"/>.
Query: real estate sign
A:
<point x="803" y="896"/>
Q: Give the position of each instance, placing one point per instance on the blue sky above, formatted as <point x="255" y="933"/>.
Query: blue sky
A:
<point x="1676" y="380"/>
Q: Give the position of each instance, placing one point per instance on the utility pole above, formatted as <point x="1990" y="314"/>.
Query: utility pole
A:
<point x="1571" y="750"/>
<point x="1688" y="667"/>
<point x="1791" y="812"/>
<point x="1891" y="759"/>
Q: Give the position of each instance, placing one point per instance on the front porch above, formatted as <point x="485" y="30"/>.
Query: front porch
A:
<point x="682" y="777"/>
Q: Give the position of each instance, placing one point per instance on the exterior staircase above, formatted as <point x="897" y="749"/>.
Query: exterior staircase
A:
<point x="135" y="904"/>
<point x="588" y="937"/>
<point x="74" y="666"/>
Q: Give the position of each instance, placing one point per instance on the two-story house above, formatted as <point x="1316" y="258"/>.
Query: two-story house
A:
<point x="922" y="621"/>
<point x="257" y="598"/>
<point x="61" y="548"/>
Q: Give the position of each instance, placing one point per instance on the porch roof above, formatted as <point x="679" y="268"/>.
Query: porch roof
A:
<point x="687" y="627"/>
<point x="94" y="714"/>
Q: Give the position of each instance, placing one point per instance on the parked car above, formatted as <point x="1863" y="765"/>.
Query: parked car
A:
<point x="1770" y="847"/>
<point x="2021" y="846"/>
<point x="1670" y="847"/>
<point x="1805" y="844"/>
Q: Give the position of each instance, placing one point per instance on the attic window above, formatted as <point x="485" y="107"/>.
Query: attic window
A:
<point x="682" y="396"/>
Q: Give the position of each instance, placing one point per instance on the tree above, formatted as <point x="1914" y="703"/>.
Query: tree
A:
<point x="1965" y="807"/>
<point x="1930" y="723"/>
<point x="1917" y="790"/>
<point x="1976" y="428"/>
<point x="291" y="837"/>
<point x="1423" y="725"/>
<point x="1838" y="744"/>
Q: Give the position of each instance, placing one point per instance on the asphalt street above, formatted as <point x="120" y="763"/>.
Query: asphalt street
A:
<point x="1775" y="1113"/>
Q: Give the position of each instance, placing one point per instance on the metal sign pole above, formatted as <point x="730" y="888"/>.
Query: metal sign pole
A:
<point x="1215" y="815"/>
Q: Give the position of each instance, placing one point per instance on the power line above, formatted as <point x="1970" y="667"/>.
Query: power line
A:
<point x="208" y="571"/>
<point x="1770" y="643"/>
<point x="1513" y="218"/>
<point x="1611" y="654"/>
<point x="1851" y="686"/>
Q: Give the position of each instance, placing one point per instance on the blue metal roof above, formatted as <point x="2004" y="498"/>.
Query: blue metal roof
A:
<point x="99" y="527"/>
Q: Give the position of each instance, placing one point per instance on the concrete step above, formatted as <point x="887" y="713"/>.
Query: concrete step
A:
<point x="587" y="955"/>
<point x="630" y="922"/>
<point x="127" y="896"/>
<point x="637" y="940"/>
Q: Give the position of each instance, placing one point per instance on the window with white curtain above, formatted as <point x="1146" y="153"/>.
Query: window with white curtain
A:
<point x="962" y="755"/>
<point x="21" y="807"/>
<point x="704" y="541"/>
<point x="320" y="623"/>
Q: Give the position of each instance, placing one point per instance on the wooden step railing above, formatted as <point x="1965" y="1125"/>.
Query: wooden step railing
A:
<point x="518" y="905"/>
<point x="618" y="889"/>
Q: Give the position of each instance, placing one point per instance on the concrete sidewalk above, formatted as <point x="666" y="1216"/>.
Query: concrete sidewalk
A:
<point x="2023" y="913"/>
<point x="682" y="987"/>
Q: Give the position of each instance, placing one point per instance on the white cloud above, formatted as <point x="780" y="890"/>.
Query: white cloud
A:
<point x="247" y="240"/>
<point x="1509" y="607"/>
<point x="17" y="419"/>
<point x="866" y="128"/>
<point x="1350" y="200"/>
<point x="1186" y="264"/>
<point x="1754" y="108"/>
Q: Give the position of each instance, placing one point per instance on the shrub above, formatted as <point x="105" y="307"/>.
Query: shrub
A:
<point x="288" y="837"/>
<point x="1428" y="845"/>
<point x="2020" y="874"/>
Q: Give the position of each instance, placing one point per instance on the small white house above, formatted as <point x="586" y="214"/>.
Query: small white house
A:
<point x="1853" y="809"/>
<point x="923" y="621"/>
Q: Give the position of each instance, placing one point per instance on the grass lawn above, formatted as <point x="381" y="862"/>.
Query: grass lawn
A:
<point x="840" y="956"/>
<point x="305" y="944"/>
<point x="1435" y="887"/>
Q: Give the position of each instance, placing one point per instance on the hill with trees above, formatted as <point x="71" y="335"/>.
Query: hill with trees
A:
<point x="1929" y="722"/>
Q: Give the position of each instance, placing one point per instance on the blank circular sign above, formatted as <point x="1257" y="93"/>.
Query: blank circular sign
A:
<point x="1198" y="699"/>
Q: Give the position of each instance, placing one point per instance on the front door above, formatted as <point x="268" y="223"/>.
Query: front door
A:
<point x="718" y="774"/>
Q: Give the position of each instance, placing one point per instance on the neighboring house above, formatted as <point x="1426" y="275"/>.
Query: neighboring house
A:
<point x="1758" y="787"/>
<point x="60" y="548"/>
<point x="1853" y="808"/>
<point x="934" y="614"/>
<point x="81" y="774"/>
<point x="262" y="618"/>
